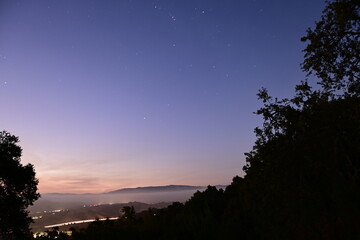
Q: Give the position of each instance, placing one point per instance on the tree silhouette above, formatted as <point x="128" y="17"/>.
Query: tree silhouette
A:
<point x="333" y="49"/>
<point x="53" y="234"/>
<point x="18" y="189"/>
<point x="302" y="176"/>
<point x="129" y="213"/>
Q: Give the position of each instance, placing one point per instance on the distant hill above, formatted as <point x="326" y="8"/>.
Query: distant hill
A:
<point x="150" y="189"/>
<point x="151" y="194"/>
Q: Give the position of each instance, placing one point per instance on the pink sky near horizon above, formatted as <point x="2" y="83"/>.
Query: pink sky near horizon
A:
<point x="81" y="172"/>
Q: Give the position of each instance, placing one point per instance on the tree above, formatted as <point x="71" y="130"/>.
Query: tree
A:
<point x="303" y="174"/>
<point x="129" y="213"/>
<point x="304" y="180"/>
<point x="18" y="189"/>
<point x="333" y="50"/>
<point x="52" y="234"/>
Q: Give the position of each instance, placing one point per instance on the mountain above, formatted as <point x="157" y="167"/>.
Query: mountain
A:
<point x="151" y="194"/>
<point x="151" y="189"/>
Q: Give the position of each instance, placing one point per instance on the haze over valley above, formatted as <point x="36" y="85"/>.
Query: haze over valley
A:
<point x="57" y="208"/>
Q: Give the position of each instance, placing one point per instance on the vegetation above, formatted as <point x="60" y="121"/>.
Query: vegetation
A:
<point x="18" y="190"/>
<point x="332" y="53"/>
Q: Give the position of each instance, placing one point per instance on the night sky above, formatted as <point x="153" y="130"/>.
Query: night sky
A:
<point x="117" y="93"/>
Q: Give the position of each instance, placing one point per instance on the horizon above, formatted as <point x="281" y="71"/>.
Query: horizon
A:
<point x="142" y="93"/>
<point x="126" y="188"/>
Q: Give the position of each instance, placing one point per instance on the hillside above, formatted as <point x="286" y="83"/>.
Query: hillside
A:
<point x="150" y="189"/>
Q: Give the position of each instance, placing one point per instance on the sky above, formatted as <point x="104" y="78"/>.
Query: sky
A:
<point x="107" y="94"/>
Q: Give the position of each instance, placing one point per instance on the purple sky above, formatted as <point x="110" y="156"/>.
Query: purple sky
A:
<point x="120" y="93"/>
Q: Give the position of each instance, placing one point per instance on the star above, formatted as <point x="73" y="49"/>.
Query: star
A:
<point x="172" y="16"/>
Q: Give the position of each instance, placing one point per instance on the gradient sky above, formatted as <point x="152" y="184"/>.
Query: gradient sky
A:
<point x="123" y="93"/>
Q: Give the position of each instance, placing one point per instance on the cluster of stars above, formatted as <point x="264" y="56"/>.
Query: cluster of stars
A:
<point x="172" y="17"/>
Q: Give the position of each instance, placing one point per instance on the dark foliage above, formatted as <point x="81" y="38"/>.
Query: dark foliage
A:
<point x="53" y="234"/>
<point x="305" y="180"/>
<point x="333" y="52"/>
<point x="18" y="190"/>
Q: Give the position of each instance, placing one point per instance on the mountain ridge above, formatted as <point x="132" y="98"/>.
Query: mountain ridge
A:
<point x="146" y="189"/>
<point x="165" y="188"/>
